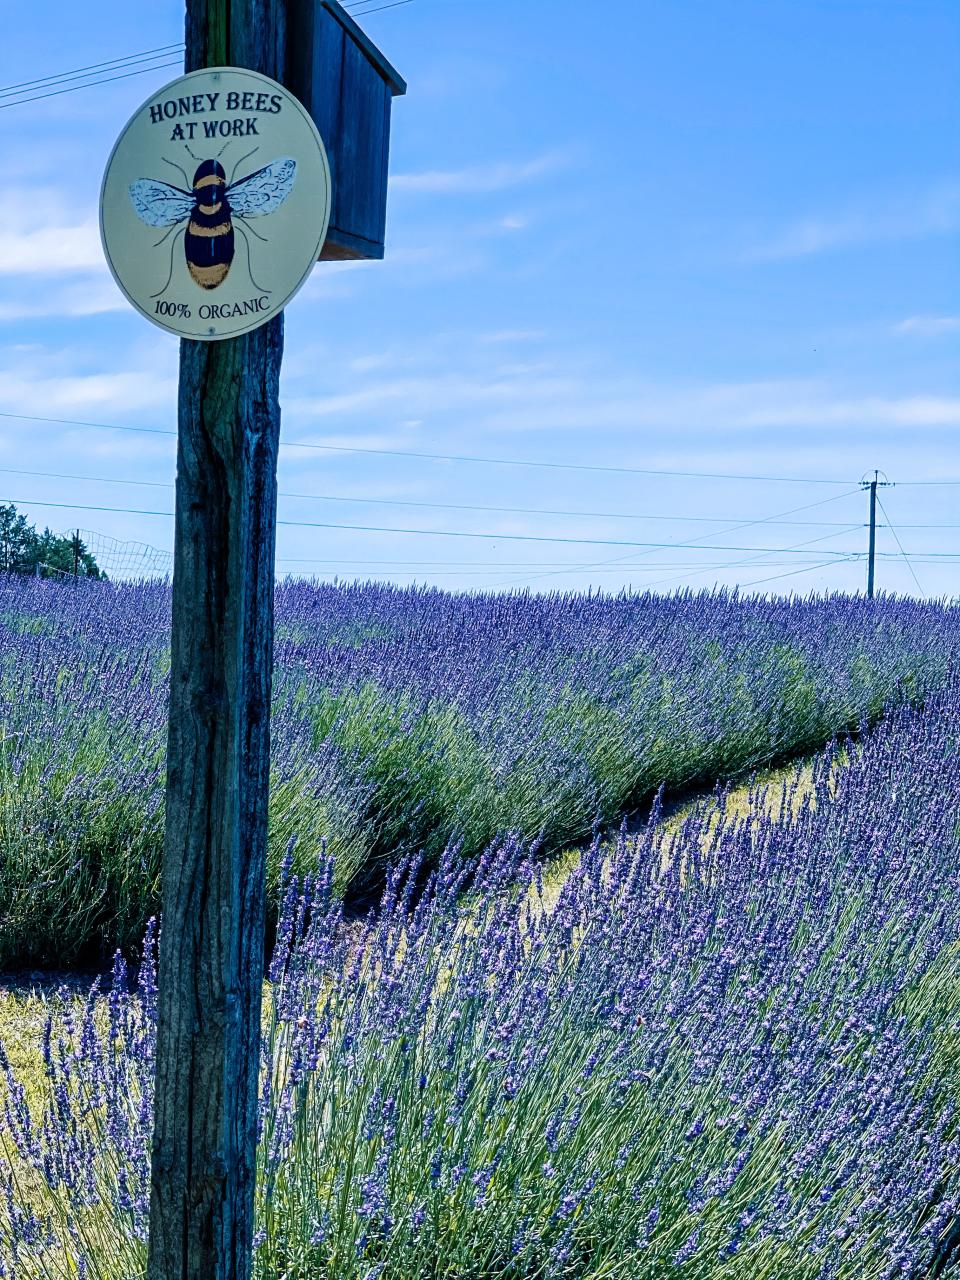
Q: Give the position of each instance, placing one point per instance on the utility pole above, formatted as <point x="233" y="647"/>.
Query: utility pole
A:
<point x="873" y="485"/>
<point x="76" y="555"/>
<point x="212" y="933"/>
<point x="872" y="555"/>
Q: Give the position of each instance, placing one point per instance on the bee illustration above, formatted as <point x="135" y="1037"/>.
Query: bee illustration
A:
<point x="214" y="210"/>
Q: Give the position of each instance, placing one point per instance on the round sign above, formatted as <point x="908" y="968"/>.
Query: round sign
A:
<point x="215" y="203"/>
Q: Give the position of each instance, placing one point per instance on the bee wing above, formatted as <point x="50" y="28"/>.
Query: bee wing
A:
<point x="158" y="204"/>
<point x="265" y="190"/>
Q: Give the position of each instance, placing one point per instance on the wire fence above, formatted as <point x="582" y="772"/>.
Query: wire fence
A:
<point x="126" y="560"/>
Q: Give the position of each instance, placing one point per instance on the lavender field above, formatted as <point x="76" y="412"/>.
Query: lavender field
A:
<point x="409" y="720"/>
<point x="725" y="1048"/>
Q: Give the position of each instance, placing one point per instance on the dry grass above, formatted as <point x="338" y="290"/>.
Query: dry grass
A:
<point x="767" y="794"/>
<point x="27" y="999"/>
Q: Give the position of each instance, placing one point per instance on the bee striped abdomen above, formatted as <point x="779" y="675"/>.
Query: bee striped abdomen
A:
<point x="209" y="240"/>
<point x="209" y="247"/>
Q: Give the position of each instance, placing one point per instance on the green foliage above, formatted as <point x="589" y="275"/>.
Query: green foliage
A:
<point x="45" y="555"/>
<point x="933" y="1005"/>
<point x="403" y="722"/>
<point x="424" y="772"/>
<point x="304" y="819"/>
<point x="81" y="840"/>
<point x="79" y="847"/>
<point x="453" y="1098"/>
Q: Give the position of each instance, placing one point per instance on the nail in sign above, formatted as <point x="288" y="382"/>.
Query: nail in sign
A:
<point x="215" y="203"/>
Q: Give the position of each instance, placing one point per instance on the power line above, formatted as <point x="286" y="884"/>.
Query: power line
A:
<point x="468" y="566"/>
<point x="555" y="466"/>
<point x="139" y="558"/>
<point x="474" y="573"/>
<point x="619" y="560"/>
<point x="480" y="566"/>
<point x="463" y="506"/>
<point x="90" y="73"/>
<point x="793" y="549"/>
<point x="360" y="13"/>
<point x="730" y="565"/>
<point x="75" y="73"/>
<point x="76" y="422"/>
<point x="89" y="84"/>
<point x="65" y="475"/>
<point x="605" y="566"/>
<point x="430" y="533"/>
<point x="80" y="72"/>
<point x="439" y="506"/>
<point x="500" y="462"/>
<point x="520" y="537"/>
<point x="494" y="565"/>
<point x="810" y="569"/>
<point x="900" y="545"/>
<point x="547" y="511"/>
<point x="928" y="556"/>
<point x="112" y="553"/>
<point x="447" y="457"/>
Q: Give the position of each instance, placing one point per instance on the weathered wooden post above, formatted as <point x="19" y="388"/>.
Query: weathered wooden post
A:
<point x="187" y="257"/>
<point x="218" y="757"/>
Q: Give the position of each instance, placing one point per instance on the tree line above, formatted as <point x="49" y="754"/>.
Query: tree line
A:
<point x="44" y="555"/>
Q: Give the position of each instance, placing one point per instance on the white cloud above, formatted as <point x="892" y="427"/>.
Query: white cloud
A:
<point x="539" y="397"/>
<point x="87" y="298"/>
<point x="507" y="336"/>
<point x="154" y="452"/>
<point x="51" y="263"/>
<point x="437" y="392"/>
<point x="330" y="280"/>
<point x="111" y="386"/>
<point x="928" y="326"/>
<point x="120" y="392"/>
<point x="731" y="407"/>
<point x="47" y="231"/>
<point x="930" y="213"/>
<point x="865" y="411"/>
<point x="37" y="238"/>
<point x="479" y="179"/>
<point x="50" y="250"/>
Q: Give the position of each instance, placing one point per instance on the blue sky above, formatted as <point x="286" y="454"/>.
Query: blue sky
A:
<point x="710" y="236"/>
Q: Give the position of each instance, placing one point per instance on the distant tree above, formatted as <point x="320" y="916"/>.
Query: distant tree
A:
<point x="17" y="541"/>
<point x="46" y="555"/>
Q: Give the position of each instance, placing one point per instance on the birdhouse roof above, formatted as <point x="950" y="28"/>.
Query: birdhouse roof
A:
<point x="398" y="86"/>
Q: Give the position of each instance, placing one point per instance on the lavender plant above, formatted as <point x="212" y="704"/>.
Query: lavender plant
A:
<point x="404" y="719"/>
<point x="727" y="1049"/>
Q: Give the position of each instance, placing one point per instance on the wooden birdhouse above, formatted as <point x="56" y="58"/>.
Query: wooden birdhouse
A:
<point x="347" y="85"/>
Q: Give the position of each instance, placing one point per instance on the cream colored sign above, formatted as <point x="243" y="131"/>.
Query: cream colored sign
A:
<point x="215" y="203"/>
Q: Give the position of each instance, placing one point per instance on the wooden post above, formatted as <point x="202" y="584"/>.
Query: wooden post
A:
<point x="218" y="759"/>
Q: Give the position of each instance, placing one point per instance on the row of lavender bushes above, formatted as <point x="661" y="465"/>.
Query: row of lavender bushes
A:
<point x="405" y="718"/>
<point x="732" y="1055"/>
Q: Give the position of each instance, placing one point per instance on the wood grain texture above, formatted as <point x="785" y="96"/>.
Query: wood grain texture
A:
<point x="360" y="196"/>
<point x="218" y="760"/>
<point x="384" y="69"/>
<point x="347" y="86"/>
